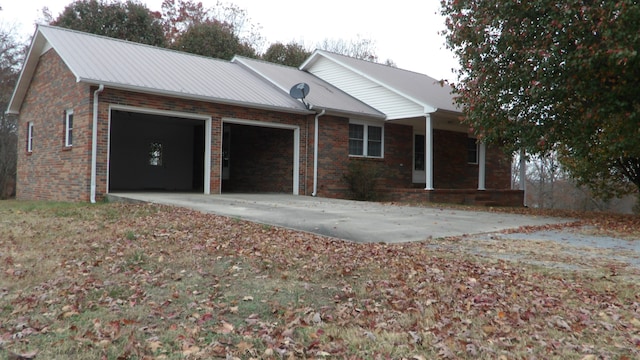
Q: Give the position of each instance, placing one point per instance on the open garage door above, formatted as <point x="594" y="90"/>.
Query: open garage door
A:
<point x="260" y="157"/>
<point x="155" y="152"/>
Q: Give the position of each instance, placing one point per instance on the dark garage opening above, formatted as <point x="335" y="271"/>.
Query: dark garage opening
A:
<point x="151" y="152"/>
<point x="257" y="159"/>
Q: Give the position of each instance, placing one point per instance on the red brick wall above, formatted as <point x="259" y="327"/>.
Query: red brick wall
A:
<point x="51" y="171"/>
<point x="398" y="156"/>
<point x="450" y="167"/>
<point x="334" y="157"/>
<point x="498" y="169"/>
<point x="452" y="171"/>
<point x="261" y="160"/>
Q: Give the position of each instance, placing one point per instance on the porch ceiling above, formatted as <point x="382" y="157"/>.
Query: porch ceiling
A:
<point x="440" y="122"/>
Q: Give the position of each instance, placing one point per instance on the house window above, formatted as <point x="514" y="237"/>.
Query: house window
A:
<point x="365" y="140"/>
<point x="68" y="128"/>
<point x="30" y="137"/>
<point x="155" y="154"/>
<point x="472" y="151"/>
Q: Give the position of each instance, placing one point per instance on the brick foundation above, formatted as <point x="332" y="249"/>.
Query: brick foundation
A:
<point x="512" y="198"/>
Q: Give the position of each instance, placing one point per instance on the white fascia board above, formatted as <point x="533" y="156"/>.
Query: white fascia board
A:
<point x="309" y="60"/>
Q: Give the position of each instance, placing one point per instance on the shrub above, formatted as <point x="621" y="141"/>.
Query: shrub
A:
<point x="362" y="177"/>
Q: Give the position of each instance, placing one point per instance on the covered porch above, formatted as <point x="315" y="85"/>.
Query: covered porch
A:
<point x="450" y="166"/>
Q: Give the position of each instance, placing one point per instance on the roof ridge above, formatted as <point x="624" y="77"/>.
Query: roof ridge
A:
<point x="241" y="57"/>
<point x="378" y="64"/>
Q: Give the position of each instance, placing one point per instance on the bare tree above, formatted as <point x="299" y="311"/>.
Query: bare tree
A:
<point x="360" y="48"/>
<point x="11" y="57"/>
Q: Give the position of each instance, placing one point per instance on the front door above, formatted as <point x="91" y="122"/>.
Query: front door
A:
<point x="419" y="174"/>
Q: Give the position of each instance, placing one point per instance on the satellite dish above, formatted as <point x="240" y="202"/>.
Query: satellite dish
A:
<point x="300" y="91"/>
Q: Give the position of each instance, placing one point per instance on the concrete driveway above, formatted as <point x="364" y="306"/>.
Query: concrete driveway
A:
<point x="350" y="220"/>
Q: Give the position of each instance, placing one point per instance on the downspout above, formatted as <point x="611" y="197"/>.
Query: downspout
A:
<point x="94" y="143"/>
<point x="315" y="154"/>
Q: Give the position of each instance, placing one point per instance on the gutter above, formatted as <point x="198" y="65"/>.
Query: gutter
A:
<point x="94" y="143"/>
<point x="315" y="154"/>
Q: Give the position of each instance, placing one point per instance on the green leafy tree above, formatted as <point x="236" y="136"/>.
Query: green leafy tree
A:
<point x="291" y="54"/>
<point x="549" y="75"/>
<point x="214" y="39"/>
<point x="129" y="20"/>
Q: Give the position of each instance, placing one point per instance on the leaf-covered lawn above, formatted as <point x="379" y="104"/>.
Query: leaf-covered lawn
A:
<point x="123" y="281"/>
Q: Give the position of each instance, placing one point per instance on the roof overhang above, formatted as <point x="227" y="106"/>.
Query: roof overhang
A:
<point x="186" y="96"/>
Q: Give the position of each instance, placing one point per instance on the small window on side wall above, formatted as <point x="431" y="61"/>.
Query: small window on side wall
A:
<point x="68" y="128"/>
<point x="155" y="153"/>
<point x="472" y="151"/>
<point x="29" y="137"/>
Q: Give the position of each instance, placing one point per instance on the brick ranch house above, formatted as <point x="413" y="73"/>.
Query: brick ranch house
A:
<point x="99" y="115"/>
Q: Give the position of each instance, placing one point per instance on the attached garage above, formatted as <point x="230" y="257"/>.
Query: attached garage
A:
<point x="154" y="151"/>
<point x="260" y="157"/>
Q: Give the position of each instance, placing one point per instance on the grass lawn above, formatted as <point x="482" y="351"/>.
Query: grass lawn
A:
<point x="134" y="281"/>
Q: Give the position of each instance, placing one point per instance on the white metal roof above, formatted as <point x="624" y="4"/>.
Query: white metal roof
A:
<point x="321" y="95"/>
<point x="419" y="88"/>
<point x="126" y="65"/>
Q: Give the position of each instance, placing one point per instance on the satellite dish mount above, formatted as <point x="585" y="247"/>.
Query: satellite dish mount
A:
<point x="300" y="91"/>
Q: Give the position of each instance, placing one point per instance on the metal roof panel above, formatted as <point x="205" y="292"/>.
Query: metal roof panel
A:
<point x="98" y="59"/>
<point x="322" y="94"/>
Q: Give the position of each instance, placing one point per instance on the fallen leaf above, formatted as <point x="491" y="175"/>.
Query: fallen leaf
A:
<point x="191" y="350"/>
<point x="225" y="328"/>
<point x="154" y="345"/>
<point x="24" y="356"/>
<point x="244" y="346"/>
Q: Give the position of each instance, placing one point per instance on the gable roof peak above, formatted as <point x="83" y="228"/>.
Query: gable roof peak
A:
<point x="416" y="87"/>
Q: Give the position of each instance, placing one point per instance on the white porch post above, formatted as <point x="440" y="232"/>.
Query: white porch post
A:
<point x="428" y="152"/>
<point x="482" y="151"/>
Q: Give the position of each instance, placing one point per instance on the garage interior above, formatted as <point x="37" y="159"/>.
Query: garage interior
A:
<point x="257" y="159"/>
<point x="150" y="152"/>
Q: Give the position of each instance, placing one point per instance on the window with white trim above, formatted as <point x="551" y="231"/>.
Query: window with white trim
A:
<point x="30" y="137"/>
<point x="472" y="151"/>
<point x="68" y="128"/>
<point x="366" y="140"/>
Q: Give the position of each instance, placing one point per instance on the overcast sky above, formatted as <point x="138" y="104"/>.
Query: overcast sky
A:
<point x="405" y="31"/>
